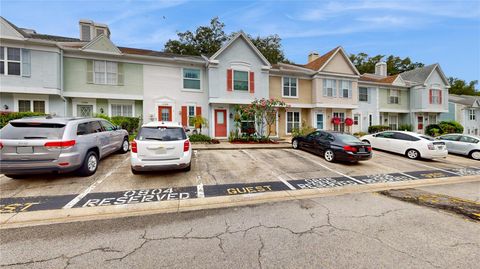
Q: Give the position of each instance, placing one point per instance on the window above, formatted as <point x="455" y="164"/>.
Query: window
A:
<point x="406" y="137"/>
<point x="341" y="126"/>
<point x="320" y="121"/>
<point x="2" y="60"/>
<point x="386" y="135"/>
<point x="363" y="94"/>
<point x="240" y="80"/>
<point x="393" y="122"/>
<point x="14" y="61"/>
<point x="329" y="87"/>
<point x="85" y="32"/>
<point x="107" y="126"/>
<point x="356" y="118"/>
<point x="432" y="119"/>
<point x="346" y="88"/>
<point x="99" y="31"/>
<point x="191" y="115"/>
<point x="105" y="72"/>
<point x="191" y="78"/>
<point x="471" y="114"/>
<point x="293" y="121"/>
<point x="468" y="139"/>
<point x="125" y="110"/>
<point x="31" y="106"/>
<point x="370" y="120"/>
<point x="450" y="137"/>
<point x="393" y="97"/>
<point x="290" y="87"/>
<point x="436" y="96"/>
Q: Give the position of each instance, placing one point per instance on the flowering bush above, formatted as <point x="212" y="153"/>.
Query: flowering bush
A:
<point x="264" y="112"/>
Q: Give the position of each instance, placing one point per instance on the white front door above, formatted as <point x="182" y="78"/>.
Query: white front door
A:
<point x="320" y="123"/>
<point x="357" y="123"/>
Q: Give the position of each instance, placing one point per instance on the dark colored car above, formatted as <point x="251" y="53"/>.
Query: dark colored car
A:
<point x="334" y="146"/>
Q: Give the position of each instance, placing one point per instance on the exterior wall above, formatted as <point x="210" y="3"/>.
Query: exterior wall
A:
<point x="419" y="95"/>
<point x="451" y="114"/>
<point x="404" y="100"/>
<point x="334" y="101"/>
<point x="238" y="56"/>
<point x="304" y="89"/>
<point x="338" y="65"/>
<point x="6" y="99"/>
<point x="75" y="74"/>
<point x="471" y="126"/>
<point x="368" y="108"/>
<point x="163" y="86"/>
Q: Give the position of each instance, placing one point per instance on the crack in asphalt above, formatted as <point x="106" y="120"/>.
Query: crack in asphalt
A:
<point x="259" y="253"/>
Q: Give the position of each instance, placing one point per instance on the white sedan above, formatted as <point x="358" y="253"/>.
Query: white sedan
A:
<point x="412" y="145"/>
<point x="468" y="145"/>
<point x="161" y="146"/>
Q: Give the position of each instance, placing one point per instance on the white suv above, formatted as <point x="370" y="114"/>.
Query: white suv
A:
<point x="161" y="146"/>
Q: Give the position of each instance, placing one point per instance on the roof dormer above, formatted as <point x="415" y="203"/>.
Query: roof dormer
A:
<point x="90" y="29"/>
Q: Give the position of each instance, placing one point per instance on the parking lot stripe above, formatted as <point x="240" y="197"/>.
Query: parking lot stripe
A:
<point x="277" y="175"/>
<point x="326" y="167"/>
<point x="200" y="191"/>
<point x="417" y="163"/>
<point x="94" y="185"/>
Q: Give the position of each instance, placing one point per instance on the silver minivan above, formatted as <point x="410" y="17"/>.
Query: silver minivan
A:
<point x="49" y="144"/>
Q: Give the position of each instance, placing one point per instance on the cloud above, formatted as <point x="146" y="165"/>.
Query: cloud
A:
<point x="127" y="9"/>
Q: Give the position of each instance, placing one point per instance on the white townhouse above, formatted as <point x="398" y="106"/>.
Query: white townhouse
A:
<point x="466" y="110"/>
<point x="30" y="71"/>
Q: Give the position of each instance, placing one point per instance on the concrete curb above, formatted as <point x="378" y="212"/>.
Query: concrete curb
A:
<point x="35" y="218"/>
<point x="243" y="146"/>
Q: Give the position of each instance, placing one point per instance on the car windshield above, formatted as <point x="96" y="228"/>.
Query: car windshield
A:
<point x="345" y="138"/>
<point x="161" y="133"/>
<point x="426" y="137"/>
<point x="32" y="130"/>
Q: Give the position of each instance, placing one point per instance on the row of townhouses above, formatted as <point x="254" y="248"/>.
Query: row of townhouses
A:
<point x="88" y="75"/>
<point x="464" y="109"/>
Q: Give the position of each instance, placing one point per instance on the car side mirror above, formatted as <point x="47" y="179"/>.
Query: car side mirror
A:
<point x="374" y="135"/>
<point x="187" y="130"/>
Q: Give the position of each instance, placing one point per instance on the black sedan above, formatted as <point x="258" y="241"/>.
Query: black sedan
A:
<point x="334" y="146"/>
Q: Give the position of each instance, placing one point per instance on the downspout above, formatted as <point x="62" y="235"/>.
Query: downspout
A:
<point x="61" y="84"/>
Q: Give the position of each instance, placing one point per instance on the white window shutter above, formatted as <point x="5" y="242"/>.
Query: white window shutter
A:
<point x="121" y="75"/>
<point x="89" y="72"/>
<point x="334" y="82"/>
<point x="349" y="89"/>
<point x="26" y="63"/>
<point x="324" y="87"/>
<point x="369" y="93"/>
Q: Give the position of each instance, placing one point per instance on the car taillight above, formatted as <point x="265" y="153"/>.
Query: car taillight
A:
<point x="369" y="148"/>
<point x="60" y="144"/>
<point x="186" y="146"/>
<point x="430" y="146"/>
<point x="350" y="148"/>
<point x="134" y="146"/>
<point x="1" y="145"/>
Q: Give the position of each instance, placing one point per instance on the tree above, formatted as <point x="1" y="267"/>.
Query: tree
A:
<point x="460" y="87"/>
<point x="264" y="112"/>
<point x="206" y="40"/>
<point x="395" y="64"/>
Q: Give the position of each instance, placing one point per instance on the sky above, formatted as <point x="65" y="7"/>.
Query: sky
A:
<point x="445" y="32"/>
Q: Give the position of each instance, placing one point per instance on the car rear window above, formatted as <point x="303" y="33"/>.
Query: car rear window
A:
<point x="345" y="138"/>
<point x="161" y="133"/>
<point x="429" y="138"/>
<point x="32" y="130"/>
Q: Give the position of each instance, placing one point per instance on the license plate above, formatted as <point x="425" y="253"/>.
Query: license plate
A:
<point x="440" y="147"/>
<point x="24" y="150"/>
<point x="362" y="150"/>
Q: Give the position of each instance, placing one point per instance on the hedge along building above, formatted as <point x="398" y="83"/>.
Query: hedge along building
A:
<point x="317" y="92"/>
<point x="237" y="74"/>
<point x="30" y="72"/>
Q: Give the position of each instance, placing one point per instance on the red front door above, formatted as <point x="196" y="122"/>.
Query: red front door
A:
<point x="164" y="113"/>
<point x="220" y="123"/>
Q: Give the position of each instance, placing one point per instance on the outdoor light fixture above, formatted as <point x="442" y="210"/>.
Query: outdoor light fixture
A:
<point x="5" y="106"/>
<point x="231" y="115"/>
<point x="101" y="110"/>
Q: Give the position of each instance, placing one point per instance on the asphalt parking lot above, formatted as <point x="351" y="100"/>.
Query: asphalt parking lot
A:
<point x="217" y="167"/>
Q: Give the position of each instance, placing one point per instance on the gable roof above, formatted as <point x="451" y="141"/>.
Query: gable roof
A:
<point x="421" y="74"/>
<point x="241" y="34"/>
<point x="94" y="43"/>
<point x="34" y="35"/>
<point x="468" y="100"/>
<point x="322" y="61"/>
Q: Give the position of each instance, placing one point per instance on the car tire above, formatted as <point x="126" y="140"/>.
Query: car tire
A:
<point x="125" y="146"/>
<point x="295" y="144"/>
<point x="135" y="172"/>
<point x="16" y="176"/>
<point x="329" y="155"/>
<point x="412" y="154"/>
<point x="89" y="165"/>
<point x="475" y="154"/>
<point x="188" y="168"/>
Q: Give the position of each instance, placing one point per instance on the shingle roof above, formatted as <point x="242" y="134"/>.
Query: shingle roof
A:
<point x="320" y="61"/>
<point x="53" y="38"/>
<point x="468" y="100"/>
<point x="418" y="75"/>
<point x="154" y="53"/>
<point x="373" y="78"/>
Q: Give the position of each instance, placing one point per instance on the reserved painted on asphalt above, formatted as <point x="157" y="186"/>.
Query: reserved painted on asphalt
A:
<point x="27" y="204"/>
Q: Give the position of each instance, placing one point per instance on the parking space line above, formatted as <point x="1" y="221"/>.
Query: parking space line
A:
<point x="90" y="188"/>
<point x="420" y="164"/>
<point x="326" y="167"/>
<point x="278" y="175"/>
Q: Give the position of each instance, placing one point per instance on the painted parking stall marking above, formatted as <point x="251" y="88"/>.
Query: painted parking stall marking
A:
<point x="244" y="188"/>
<point x="385" y="178"/>
<point x="431" y="174"/>
<point x="325" y="182"/>
<point x="137" y="196"/>
<point x="26" y="204"/>
<point x="467" y="171"/>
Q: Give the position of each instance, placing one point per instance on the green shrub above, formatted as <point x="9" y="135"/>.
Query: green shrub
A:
<point x="130" y="124"/>
<point x="378" y="128"/>
<point x="405" y="127"/>
<point x="304" y="130"/>
<point x="433" y="130"/>
<point x="5" y="117"/>
<point x="359" y="134"/>
<point x="450" y="126"/>
<point x="200" y="138"/>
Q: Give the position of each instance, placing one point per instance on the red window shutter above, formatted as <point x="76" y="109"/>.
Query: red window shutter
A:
<point x="430" y="97"/>
<point x="199" y="111"/>
<point x="252" y="82"/>
<point x="229" y="79"/>
<point x="440" y="96"/>
<point x="184" y="116"/>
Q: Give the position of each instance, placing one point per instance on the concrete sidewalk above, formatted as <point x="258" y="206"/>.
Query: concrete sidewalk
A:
<point x="228" y="145"/>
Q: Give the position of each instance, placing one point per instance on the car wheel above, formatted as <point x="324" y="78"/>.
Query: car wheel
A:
<point x="295" y="144"/>
<point x="189" y="167"/>
<point x="125" y="146"/>
<point x="413" y="154"/>
<point x="135" y="172"/>
<point x="329" y="155"/>
<point x="90" y="164"/>
<point x="475" y="154"/>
